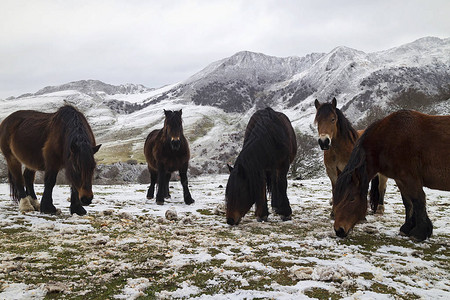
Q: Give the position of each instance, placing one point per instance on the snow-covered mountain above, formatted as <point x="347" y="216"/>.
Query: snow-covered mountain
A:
<point x="218" y="101"/>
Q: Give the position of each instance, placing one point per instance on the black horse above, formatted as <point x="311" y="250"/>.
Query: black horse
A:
<point x="269" y="148"/>
<point x="49" y="142"/>
<point x="166" y="150"/>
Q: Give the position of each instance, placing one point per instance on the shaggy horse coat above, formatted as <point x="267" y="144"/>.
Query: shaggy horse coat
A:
<point x="410" y="147"/>
<point x="167" y="150"/>
<point x="269" y="148"/>
<point x="49" y="142"/>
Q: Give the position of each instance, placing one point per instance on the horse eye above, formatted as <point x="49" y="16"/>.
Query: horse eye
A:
<point x="333" y="120"/>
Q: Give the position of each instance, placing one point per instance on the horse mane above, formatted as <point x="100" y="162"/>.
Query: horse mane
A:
<point x="77" y="136"/>
<point x="356" y="167"/>
<point x="265" y="135"/>
<point x="345" y="127"/>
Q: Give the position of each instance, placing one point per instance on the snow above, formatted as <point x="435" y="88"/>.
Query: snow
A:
<point x="233" y="260"/>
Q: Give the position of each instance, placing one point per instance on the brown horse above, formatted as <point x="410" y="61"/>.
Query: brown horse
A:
<point x="407" y="146"/>
<point x="49" y="142"/>
<point x="166" y="150"/>
<point x="269" y="148"/>
<point x="337" y="137"/>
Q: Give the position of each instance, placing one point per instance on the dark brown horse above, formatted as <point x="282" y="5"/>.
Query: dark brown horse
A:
<point x="410" y="147"/>
<point x="337" y="137"/>
<point x="49" y="142"/>
<point x="269" y="148"/>
<point x="166" y="150"/>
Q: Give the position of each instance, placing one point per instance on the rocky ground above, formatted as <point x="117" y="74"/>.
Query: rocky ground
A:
<point x="128" y="247"/>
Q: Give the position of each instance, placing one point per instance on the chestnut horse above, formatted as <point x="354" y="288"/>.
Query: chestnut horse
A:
<point x="166" y="150"/>
<point x="269" y="148"/>
<point x="407" y="146"/>
<point x="49" y="142"/>
<point x="337" y="137"/>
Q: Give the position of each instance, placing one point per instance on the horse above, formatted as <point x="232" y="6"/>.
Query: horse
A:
<point x="167" y="150"/>
<point x="269" y="148"/>
<point x="49" y="142"/>
<point x="337" y="137"/>
<point x="407" y="146"/>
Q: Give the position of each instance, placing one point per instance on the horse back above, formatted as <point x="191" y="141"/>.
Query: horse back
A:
<point x="23" y="134"/>
<point x="413" y="144"/>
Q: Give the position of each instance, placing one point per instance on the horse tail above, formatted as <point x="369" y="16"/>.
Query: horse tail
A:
<point x="14" y="191"/>
<point x="374" y="196"/>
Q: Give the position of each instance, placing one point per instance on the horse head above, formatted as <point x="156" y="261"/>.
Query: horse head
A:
<point x="238" y="198"/>
<point x="349" y="201"/>
<point x="173" y="128"/>
<point x="326" y="120"/>
<point x="80" y="169"/>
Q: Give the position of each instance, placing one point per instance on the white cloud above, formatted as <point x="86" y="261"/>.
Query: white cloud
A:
<point x="161" y="42"/>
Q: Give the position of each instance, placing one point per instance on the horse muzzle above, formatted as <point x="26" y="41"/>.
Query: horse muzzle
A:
<point x="340" y="232"/>
<point x="86" y="198"/>
<point x="231" y="221"/>
<point x="325" y="143"/>
<point x="175" y="143"/>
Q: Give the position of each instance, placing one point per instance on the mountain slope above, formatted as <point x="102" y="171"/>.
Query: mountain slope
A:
<point x="218" y="101"/>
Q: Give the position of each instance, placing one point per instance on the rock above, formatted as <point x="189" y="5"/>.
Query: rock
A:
<point x="171" y="214"/>
<point x="302" y="273"/>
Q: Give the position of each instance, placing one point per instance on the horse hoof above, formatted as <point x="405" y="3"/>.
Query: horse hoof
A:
<point x="189" y="201"/>
<point x="286" y="218"/>
<point x="263" y="219"/>
<point x="79" y="210"/>
<point x="50" y="210"/>
<point x="160" y="202"/>
<point x="25" y="204"/>
<point x="380" y="210"/>
<point x="36" y="204"/>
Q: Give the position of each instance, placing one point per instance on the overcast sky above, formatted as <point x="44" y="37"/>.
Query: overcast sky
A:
<point x="162" y="42"/>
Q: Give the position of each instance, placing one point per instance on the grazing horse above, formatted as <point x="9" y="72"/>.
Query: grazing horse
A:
<point x="407" y="146"/>
<point x="49" y="142"/>
<point x="269" y="148"/>
<point x="337" y="137"/>
<point x="166" y="150"/>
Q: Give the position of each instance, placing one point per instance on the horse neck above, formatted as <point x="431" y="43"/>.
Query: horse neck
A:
<point x="345" y="140"/>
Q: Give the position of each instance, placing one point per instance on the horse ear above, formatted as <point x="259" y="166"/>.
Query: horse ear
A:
<point x="96" y="148"/>
<point x="180" y="111"/>
<point x="317" y="104"/>
<point x="230" y="168"/>
<point x="167" y="112"/>
<point x="334" y="102"/>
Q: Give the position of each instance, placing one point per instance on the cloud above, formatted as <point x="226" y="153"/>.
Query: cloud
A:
<point x="162" y="42"/>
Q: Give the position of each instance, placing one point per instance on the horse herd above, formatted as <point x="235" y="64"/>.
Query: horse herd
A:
<point x="410" y="147"/>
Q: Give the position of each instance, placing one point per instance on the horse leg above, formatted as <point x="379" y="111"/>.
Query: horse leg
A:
<point x="167" y="194"/>
<point x="409" y="224"/>
<point x="422" y="228"/>
<point x="16" y="182"/>
<point x="47" y="201"/>
<point x="272" y="182"/>
<point x="75" y="203"/>
<point x="284" y="209"/>
<point x="28" y="176"/>
<point x="184" y="182"/>
<point x="151" y="188"/>
<point x="162" y="184"/>
<point x="381" y="191"/>
<point x="262" y="211"/>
